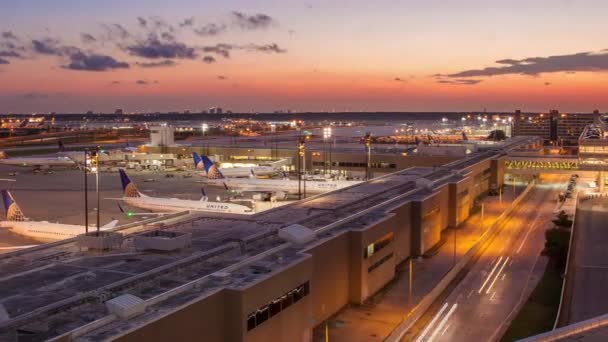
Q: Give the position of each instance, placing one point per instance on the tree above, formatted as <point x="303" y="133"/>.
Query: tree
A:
<point x="562" y="220"/>
<point x="497" y="135"/>
<point x="556" y="246"/>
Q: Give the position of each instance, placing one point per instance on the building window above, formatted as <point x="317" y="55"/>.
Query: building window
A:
<point x="277" y="305"/>
<point x="377" y="245"/>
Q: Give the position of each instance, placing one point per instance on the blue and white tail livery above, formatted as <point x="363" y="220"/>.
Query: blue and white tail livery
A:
<point x="213" y="172"/>
<point x="128" y="187"/>
<point x="13" y="212"/>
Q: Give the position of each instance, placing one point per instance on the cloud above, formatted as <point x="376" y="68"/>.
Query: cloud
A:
<point x="165" y="63"/>
<point x="220" y="49"/>
<point x="87" y="38"/>
<point x="547" y="83"/>
<point x="269" y="48"/>
<point x="34" y="96"/>
<point x="5" y="53"/>
<point x="222" y="77"/>
<point x="141" y="82"/>
<point x="209" y="59"/>
<point x="398" y="79"/>
<point x="48" y="46"/>
<point x="459" y="81"/>
<point x="9" y="35"/>
<point x="93" y="62"/>
<point x="210" y="30"/>
<point x="187" y="22"/>
<point x="167" y="36"/>
<point x="154" y="48"/>
<point x="114" y="83"/>
<point x="534" y="66"/>
<point x="116" y="32"/>
<point x="142" y="22"/>
<point x="252" y="22"/>
<point x="4" y="61"/>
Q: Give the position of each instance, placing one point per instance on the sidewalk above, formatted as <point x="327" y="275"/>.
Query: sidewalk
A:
<point x="380" y="314"/>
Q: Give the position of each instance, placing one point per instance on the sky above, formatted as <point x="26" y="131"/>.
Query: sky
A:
<point x="339" y="55"/>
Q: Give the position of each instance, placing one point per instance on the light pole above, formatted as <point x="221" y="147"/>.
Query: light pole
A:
<point x="86" y="191"/>
<point x="204" y="128"/>
<point x="368" y="146"/>
<point x="326" y="137"/>
<point x="301" y="153"/>
<point x="95" y="169"/>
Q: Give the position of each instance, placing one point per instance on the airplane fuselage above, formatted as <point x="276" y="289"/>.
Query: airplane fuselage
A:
<point x="246" y="171"/>
<point x="44" y="231"/>
<point x="285" y="185"/>
<point x="176" y="205"/>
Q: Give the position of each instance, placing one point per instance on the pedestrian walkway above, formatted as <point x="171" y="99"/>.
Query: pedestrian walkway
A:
<point x="379" y="315"/>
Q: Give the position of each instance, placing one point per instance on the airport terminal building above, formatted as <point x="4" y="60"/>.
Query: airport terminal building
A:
<point x="272" y="276"/>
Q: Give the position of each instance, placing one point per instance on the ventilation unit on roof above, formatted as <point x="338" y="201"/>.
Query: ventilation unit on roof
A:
<point x="126" y="306"/>
<point x="297" y="234"/>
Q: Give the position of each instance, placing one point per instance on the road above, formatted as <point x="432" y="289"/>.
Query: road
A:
<point x="481" y="306"/>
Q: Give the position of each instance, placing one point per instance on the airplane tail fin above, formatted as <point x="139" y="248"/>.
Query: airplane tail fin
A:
<point x="13" y="212"/>
<point x="213" y="172"/>
<point x="198" y="161"/>
<point x="129" y="188"/>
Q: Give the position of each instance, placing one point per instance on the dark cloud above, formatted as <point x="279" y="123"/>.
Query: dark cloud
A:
<point x="141" y="82"/>
<point x="269" y="48"/>
<point x="87" y="38"/>
<point x="154" y="48"/>
<point x="221" y="77"/>
<point x="210" y="30"/>
<point x="84" y="62"/>
<point x="533" y="66"/>
<point x="252" y="22"/>
<point x="165" y="63"/>
<point x="113" y="83"/>
<point x="9" y="35"/>
<point x="4" y="61"/>
<point x="459" y="81"/>
<point x="160" y="24"/>
<point x="48" y="46"/>
<point x="547" y="83"/>
<point x="10" y="54"/>
<point x="209" y="59"/>
<point x="34" y="96"/>
<point x="142" y="22"/>
<point x="187" y="22"/>
<point x="398" y="79"/>
<point x="219" y="49"/>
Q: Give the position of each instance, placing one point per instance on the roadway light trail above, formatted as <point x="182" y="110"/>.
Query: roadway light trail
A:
<point x="428" y="327"/>
<point x="489" y="275"/>
<point x="443" y="321"/>
<point x="497" y="274"/>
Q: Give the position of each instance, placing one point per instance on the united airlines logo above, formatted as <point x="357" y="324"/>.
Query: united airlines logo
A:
<point x="216" y="206"/>
<point x="14" y="213"/>
<point x="214" y="173"/>
<point x="131" y="191"/>
<point x="327" y="185"/>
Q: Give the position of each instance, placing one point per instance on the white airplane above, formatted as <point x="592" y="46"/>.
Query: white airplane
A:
<point x="37" y="163"/>
<point x="279" y="187"/>
<point x="133" y="197"/>
<point x="204" y="163"/>
<point x="39" y="230"/>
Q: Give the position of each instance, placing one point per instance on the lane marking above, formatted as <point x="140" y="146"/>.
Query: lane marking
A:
<point x="492" y="296"/>
<point x="490" y="275"/>
<point x="446" y="329"/>
<point x="532" y="227"/>
<point x="470" y="293"/>
<point x="428" y="327"/>
<point x="443" y="321"/>
<point x="497" y="274"/>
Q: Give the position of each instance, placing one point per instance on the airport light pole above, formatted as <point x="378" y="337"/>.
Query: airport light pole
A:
<point x="95" y="169"/>
<point x="204" y="128"/>
<point x="86" y="191"/>
<point x="301" y="154"/>
<point x="368" y="147"/>
<point x="326" y="138"/>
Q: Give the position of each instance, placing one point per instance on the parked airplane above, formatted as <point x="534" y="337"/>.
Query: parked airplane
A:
<point x="133" y="197"/>
<point x="39" y="230"/>
<point x="204" y="163"/>
<point x="280" y="187"/>
<point x="37" y="163"/>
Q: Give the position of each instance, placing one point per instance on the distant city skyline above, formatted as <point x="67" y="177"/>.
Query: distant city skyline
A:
<point x="155" y="56"/>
